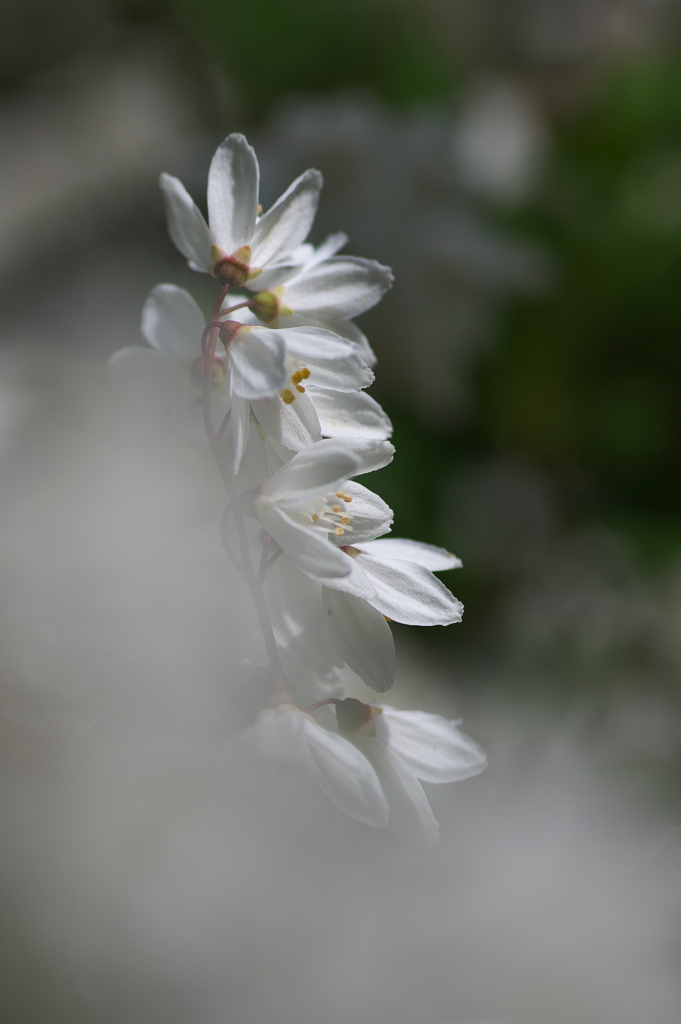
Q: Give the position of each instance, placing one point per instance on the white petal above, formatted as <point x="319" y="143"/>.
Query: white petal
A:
<point x="329" y="247"/>
<point x="343" y="328"/>
<point x="312" y="472"/>
<point x="407" y="592"/>
<point x="258" y="363"/>
<point x="295" y="425"/>
<point x="357" y="582"/>
<point x="315" y="343"/>
<point x="373" y="454"/>
<point x="239" y="428"/>
<point x="278" y="733"/>
<point x="288" y="222"/>
<point x="370" y="516"/>
<point x="427" y="555"/>
<point x="310" y="549"/>
<point x="186" y="224"/>
<point x="346" y="375"/>
<point x="340" y="287"/>
<point x="150" y="380"/>
<point x="410" y="816"/>
<point x="345" y="775"/>
<point x="233" y="193"/>
<point x="295" y="605"/>
<point x="306" y="255"/>
<point x="273" y="276"/>
<point x="351" y="331"/>
<point x="172" y="322"/>
<point x="362" y="638"/>
<point x="353" y="414"/>
<point x="430" y="745"/>
<point x="324" y="466"/>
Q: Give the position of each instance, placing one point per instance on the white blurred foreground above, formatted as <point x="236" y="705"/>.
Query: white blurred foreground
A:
<point x="149" y="874"/>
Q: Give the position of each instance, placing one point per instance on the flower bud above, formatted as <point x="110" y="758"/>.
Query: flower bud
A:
<point x="268" y="307"/>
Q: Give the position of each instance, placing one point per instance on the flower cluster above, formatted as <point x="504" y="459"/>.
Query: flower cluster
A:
<point x="274" y="381"/>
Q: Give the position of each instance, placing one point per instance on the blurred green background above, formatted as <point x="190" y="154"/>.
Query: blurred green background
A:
<point x="519" y="163"/>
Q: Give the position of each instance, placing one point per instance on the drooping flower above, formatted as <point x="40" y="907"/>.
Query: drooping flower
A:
<point x="304" y="508"/>
<point x="287" y="735"/>
<point x="238" y="245"/>
<point x="407" y="748"/>
<point x="326" y="526"/>
<point x="396" y="577"/>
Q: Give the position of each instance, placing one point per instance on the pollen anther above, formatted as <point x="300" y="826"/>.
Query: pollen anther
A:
<point x="287" y="396"/>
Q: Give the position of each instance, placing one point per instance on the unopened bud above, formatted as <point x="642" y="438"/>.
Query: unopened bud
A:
<point x="265" y="305"/>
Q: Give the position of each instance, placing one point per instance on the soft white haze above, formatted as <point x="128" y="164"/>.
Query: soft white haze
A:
<point x="211" y="813"/>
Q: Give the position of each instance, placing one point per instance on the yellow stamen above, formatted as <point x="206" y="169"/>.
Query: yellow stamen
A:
<point x="305" y="372"/>
<point x="336" y="508"/>
<point x="299" y="387"/>
<point x="347" y="497"/>
<point x="314" y="517"/>
<point x="339" y="531"/>
<point x="287" y="396"/>
<point x="345" y="520"/>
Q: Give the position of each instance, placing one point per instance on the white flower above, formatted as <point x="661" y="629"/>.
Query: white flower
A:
<point x="335" y="289"/>
<point x="260" y="370"/>
<point x="390" y="578"/>
<point x="305" y="510"/>
<point x="342" y="627"/>
<point x="289" y="736"/>
<point x="326" y="526"/>
<point x="396" y="577"/>
<point x="322" y="395"/>
<point x="405" y="747"/>
<point x="316" y="288"/>
<point x="239" y="245"/>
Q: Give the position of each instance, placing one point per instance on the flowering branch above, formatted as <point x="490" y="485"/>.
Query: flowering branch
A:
<point x="295" y="427"/>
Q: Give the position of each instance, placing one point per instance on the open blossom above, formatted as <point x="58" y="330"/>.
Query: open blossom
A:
<point x="306" y="511"/>
<point x="406" y="748"/>
<point x="259" y="371"/>
<point x="342" y="628"/>
<point x="327" y="525"/>
<point x="390" y="579"/>
<point x="237" y="245"/>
